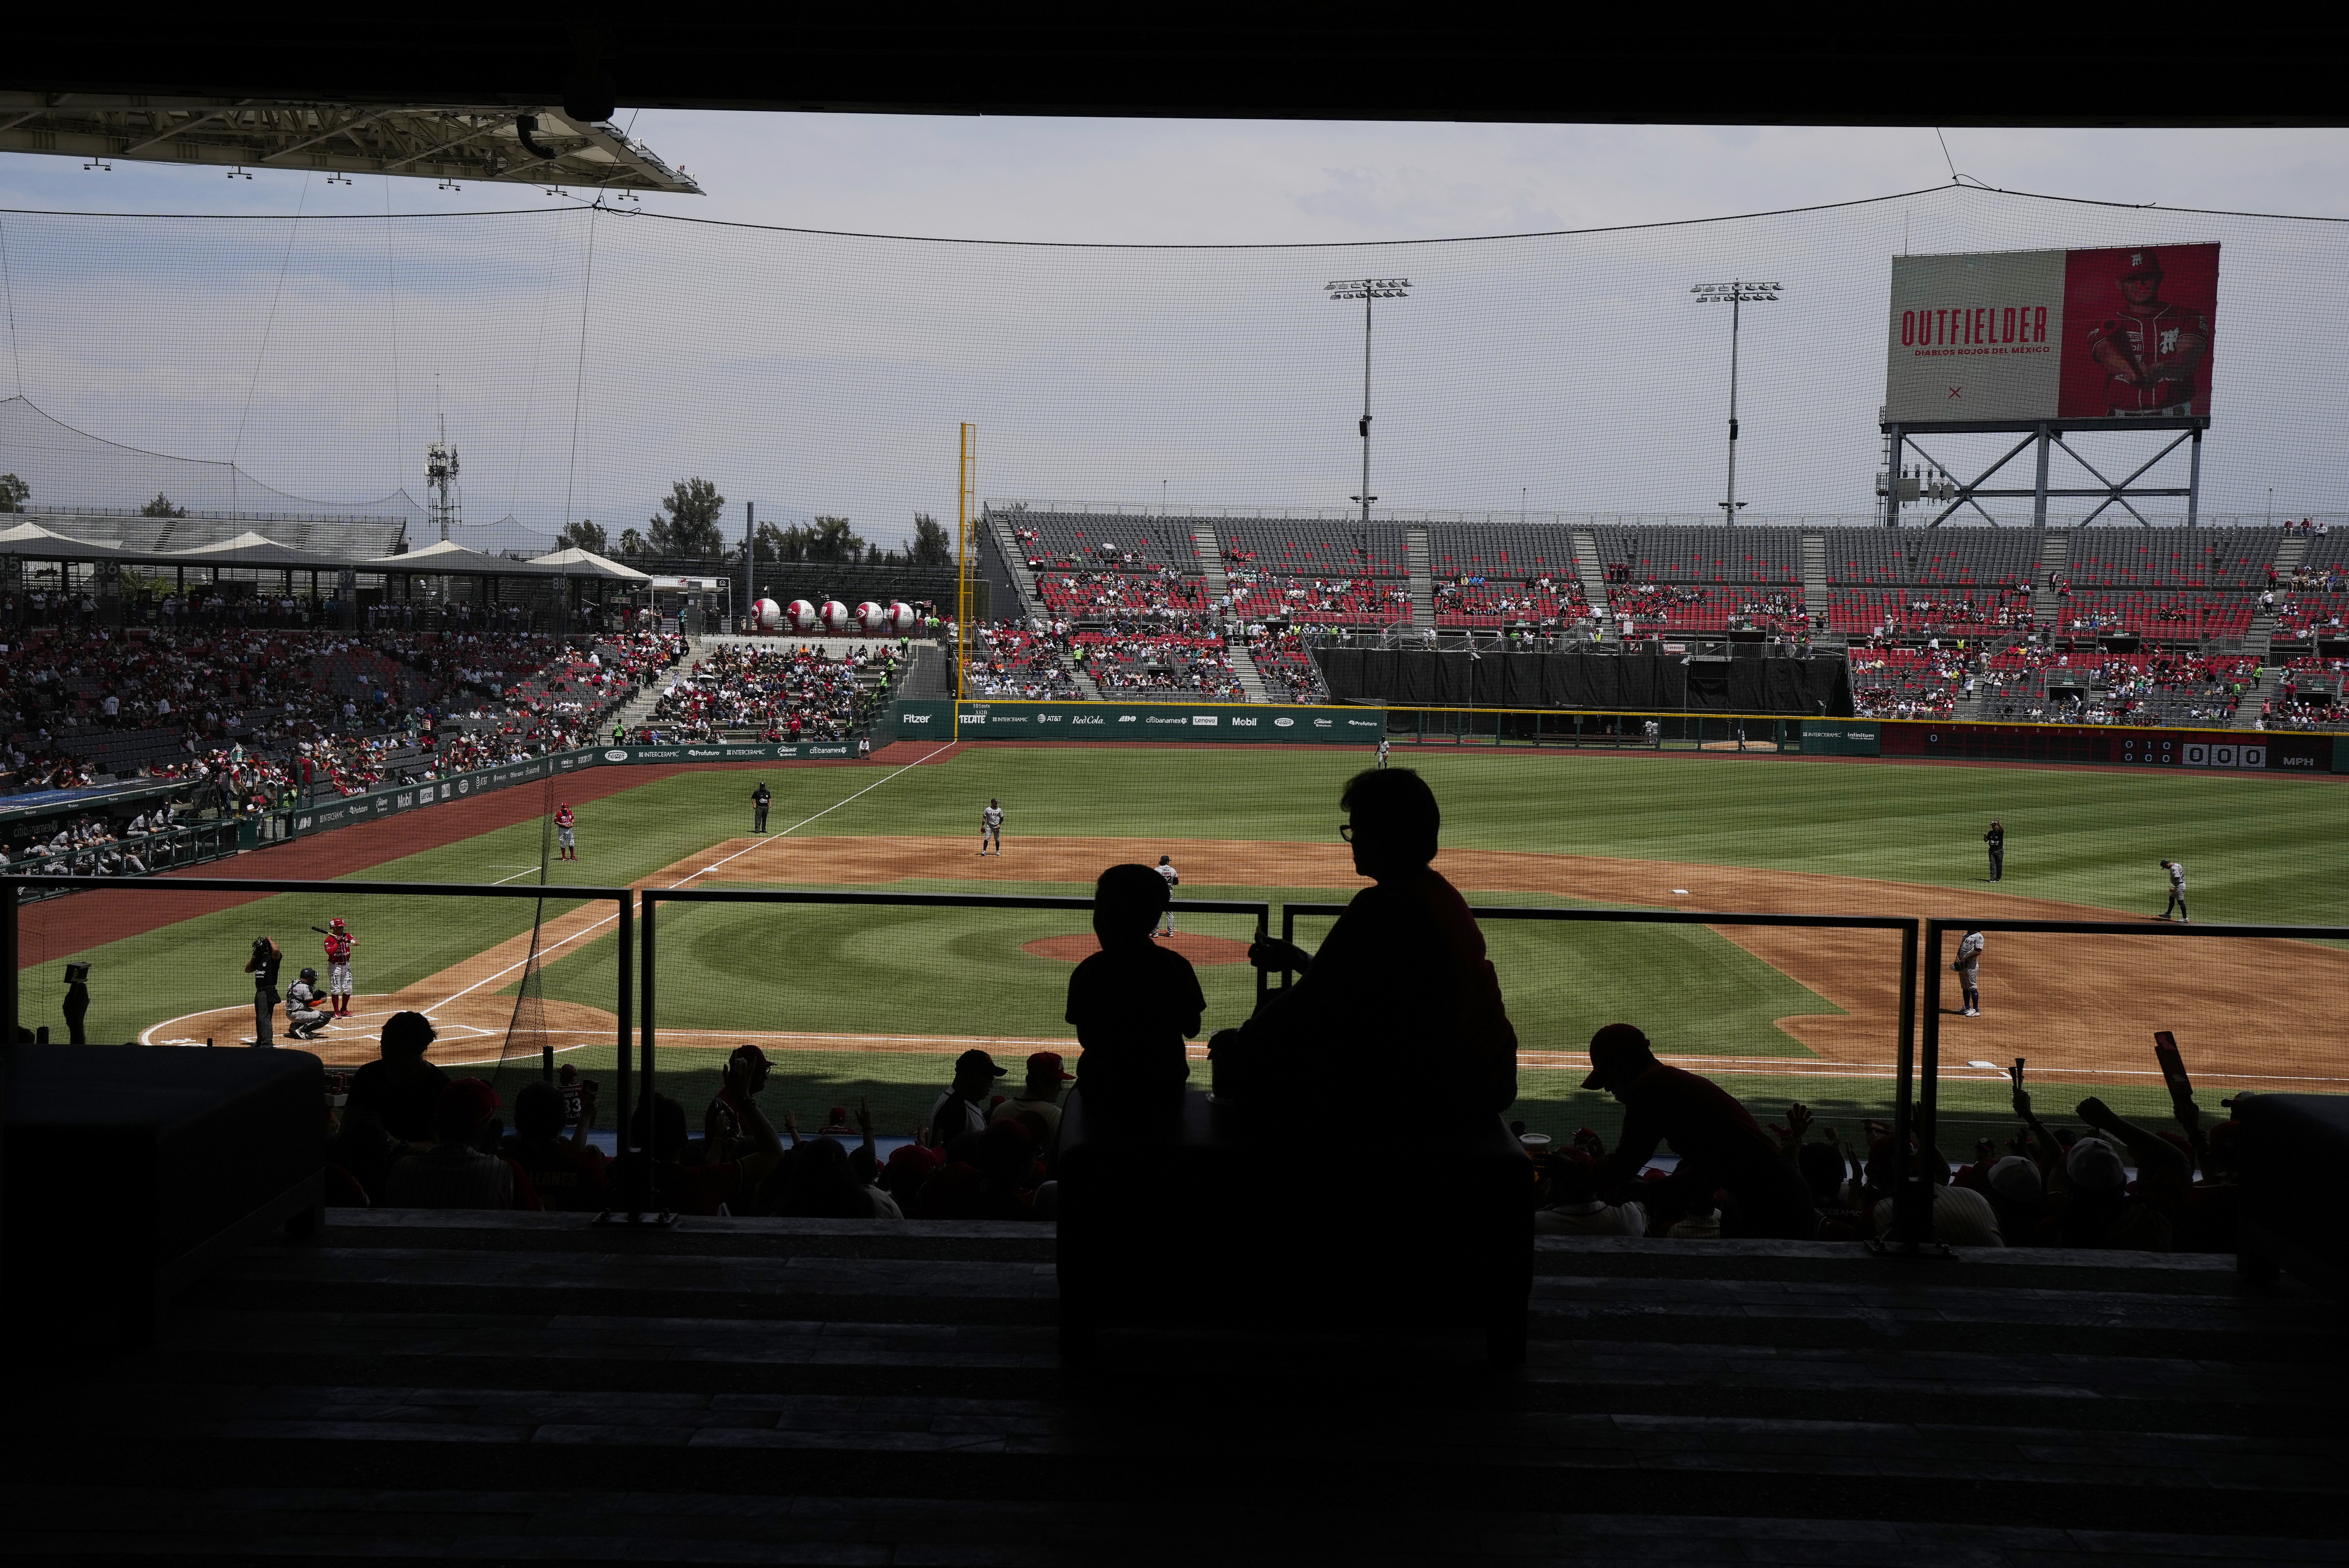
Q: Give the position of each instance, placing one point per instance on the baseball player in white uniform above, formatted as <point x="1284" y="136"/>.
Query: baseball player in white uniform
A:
<point x="990" y="827"/>
<point x="1968" y="967"/>
<point x="1383" y="751"/>
<point x="2177" y="869"/>
<point x="1173" y="881"/>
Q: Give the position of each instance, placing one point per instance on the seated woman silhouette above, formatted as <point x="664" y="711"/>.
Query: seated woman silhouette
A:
<point x="1401" y="990"/>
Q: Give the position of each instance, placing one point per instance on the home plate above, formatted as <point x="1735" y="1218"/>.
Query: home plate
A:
<point x="1682" y="891"/>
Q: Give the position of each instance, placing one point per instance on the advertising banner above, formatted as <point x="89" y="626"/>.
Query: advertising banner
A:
<point x="400" y="798"/>
<point x="2223" y="750"/>
<point x="1841" y="737"/>
<point x="917" y="720"/>
<point x="2006" y="337"/>
<point x="711" y="751"/>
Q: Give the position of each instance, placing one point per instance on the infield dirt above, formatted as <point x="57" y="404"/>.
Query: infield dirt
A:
<point x="2082" y="1008"/>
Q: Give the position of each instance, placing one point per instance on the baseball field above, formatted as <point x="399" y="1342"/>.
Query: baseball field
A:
<point x="872" y="1002"/>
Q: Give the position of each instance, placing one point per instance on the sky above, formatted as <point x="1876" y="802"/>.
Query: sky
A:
<point x="812" y="374"/>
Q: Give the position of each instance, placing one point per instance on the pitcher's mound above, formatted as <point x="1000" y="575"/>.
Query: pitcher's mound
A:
<point x="1077" y="948"/>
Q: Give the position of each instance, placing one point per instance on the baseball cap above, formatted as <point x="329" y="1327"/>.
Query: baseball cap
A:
<point x="974" y="1059"/>
<point x="2015" y="1178"/>
<point x="751" y="1054"/>
<point x="337" y="922"/>
<point x="1614" y="1044"/>
<point x="2094" y="1166"/>
<point x="1046" y="1067"/>
<point x="474" y="1094"/>
<point x="2141" y="262"/>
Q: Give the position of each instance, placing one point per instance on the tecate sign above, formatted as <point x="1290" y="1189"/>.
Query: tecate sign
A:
<point x="616" y="756"/>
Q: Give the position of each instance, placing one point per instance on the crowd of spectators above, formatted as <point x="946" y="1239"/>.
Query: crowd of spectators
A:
<point x="783" y="692"/>
<point x="1191" y="663"/>
<point x="1907" y="682"/>
<point x="259" y="712"/>
<point x="1153" y="598"/>
<point x="1033" y="659"/>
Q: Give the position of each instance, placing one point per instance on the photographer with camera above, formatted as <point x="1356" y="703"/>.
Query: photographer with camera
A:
<point x="263" y="967"/>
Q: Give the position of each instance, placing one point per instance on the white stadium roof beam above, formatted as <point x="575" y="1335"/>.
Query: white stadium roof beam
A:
<point x="521" y="144"/>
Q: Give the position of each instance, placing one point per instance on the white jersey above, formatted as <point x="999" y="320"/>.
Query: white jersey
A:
<point x="1970" y="950"/>
<point x="991" y="819"/>
<point x="2177" y="875"/>
<point x="1173" y="882"/>
<point x="302" y="998"/>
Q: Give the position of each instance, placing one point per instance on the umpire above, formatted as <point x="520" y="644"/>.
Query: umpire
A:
<point x="1996" y="839"/>
<point x="759" y="798"/>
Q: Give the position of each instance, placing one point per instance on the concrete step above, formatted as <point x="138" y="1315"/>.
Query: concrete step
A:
<point x="2055" y="557"/>
<point x="1587" y="567"/>
<point x="1814" y="578"/>
<point x="431" y="1384"/>
<point x="1423" y="578"/>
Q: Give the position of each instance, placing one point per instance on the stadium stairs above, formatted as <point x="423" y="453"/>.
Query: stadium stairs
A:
<point x="2054" y="556"/>
<point x="2263" y="690"/>
<point x="1423" y="578"/>
<point x="415" y="1384"/>
<point x="1586" y="567"/>
<point x="1816" y="598"/>
<point x="1015" y="562"/>
<point x="1218" y="584"/>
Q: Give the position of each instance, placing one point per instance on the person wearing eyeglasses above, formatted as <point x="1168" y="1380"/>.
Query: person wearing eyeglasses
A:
<point x="1400" y="986"/>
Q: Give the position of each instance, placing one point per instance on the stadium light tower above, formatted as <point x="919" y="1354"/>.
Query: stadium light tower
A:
<point x="1366" y="290"/>
<point x="1734" y="295"/>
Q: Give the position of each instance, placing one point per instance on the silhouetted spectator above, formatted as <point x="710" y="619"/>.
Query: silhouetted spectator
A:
<point x="902" y="1175"/>
<point x="1039" y="1096"/>
<point x="399" y="1088"/>
<point x="817" y="1181"/>
<point x="76" y="1002"/>
<point x="459" y="1171"/>
<point x="1709" y="1129"/>
<point x="747" y="1070"/>
<point x="568" y="1172"/>
<point x="1576" y="1207"/>
<point x="1133" y="1002"/>
<point x="965" y="1105"/>
<point x="2018" y="1197"/>
<point x="711" y="1184"/>
<point x="1960" y="1217"/>
<point x="1401" y="989"/>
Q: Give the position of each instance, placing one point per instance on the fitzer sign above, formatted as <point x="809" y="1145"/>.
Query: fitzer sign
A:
<point x="2002" y="337"/>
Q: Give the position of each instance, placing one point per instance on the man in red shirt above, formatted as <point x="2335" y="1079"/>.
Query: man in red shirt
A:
<point x="1707" y="1128"/>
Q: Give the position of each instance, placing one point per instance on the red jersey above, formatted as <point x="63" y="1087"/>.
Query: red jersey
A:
<point x="563" y="819"/>
<point x="2149" y="339"/>
<point x="338" y="947"/>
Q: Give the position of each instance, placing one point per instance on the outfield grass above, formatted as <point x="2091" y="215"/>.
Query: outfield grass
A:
<point x="2258" y="847"/>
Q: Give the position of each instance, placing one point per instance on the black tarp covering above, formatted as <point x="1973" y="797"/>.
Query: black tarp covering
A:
<point x="1587" y="682"/>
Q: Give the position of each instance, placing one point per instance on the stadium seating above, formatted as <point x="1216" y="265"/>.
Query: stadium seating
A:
<point x="776" y="692"/>
<point x="1927" y="611"/>
<point x="1696" y="554"/>
<point x="1327" y="549"/>
<point x="1103" y="539"/>
<point x="1287" y="667"/>
<point x="2300" y="615"/>
<point x="1011" y="660"/>
<point x="2128" y="556"/>
<point x="1904" y="683"/>
<point x="2139" y="689"/>
<point x="1322" y="601"/>
<point x="1164" y="661"/>
<point x="1949" y="556"/>
<point x="2156" y="616"/>
<point x="1473" y="603"/>
<point x="1515" y="552"/>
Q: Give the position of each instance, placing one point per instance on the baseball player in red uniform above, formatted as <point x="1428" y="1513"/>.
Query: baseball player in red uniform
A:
<point x="339" y="945"/>
<point x="2150" y="349"/>
<point x="565" y="821"/>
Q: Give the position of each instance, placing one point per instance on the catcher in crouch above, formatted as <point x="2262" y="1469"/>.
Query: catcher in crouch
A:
<point x="339" y="945"/>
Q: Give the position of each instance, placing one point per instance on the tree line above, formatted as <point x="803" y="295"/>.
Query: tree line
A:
<point x="688" y="526"/>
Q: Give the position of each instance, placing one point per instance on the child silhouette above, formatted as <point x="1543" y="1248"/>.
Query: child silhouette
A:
<point x="1134" y="1002"/>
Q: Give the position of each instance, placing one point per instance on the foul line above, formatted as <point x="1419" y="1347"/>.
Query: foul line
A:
<point x="588" y="930"/>
<point x="827" y="811"/>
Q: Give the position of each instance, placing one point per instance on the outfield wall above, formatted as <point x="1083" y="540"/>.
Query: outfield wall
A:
<point x="1929" y="741"/>
<point x="1283" y="723"/>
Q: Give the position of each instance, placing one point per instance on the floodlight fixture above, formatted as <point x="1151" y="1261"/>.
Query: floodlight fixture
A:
<point x="100" y="164"/>
<point x="1735" y="294"/>
<point x="239" y="173"/>
<point x="1366" y="290"/>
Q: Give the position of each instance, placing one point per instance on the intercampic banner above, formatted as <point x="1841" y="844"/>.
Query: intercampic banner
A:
<point x="2007" y="337"/>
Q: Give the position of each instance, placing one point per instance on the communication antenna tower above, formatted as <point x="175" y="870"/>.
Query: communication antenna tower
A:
<point x="440" y="480"/>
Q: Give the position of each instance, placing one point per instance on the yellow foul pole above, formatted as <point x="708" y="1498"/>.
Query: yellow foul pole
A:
<point x="966" y="522"/>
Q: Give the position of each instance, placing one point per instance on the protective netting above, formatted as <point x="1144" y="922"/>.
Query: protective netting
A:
<point x="530" y="1039"/>
<point x="584" y="361"/>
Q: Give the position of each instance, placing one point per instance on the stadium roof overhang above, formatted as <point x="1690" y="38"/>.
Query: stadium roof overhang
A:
<point x="2001" y="65"/>
<point x="455" y="142"/>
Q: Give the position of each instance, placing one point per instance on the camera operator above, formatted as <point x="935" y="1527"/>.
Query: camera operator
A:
<point x="263" y="967"/>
